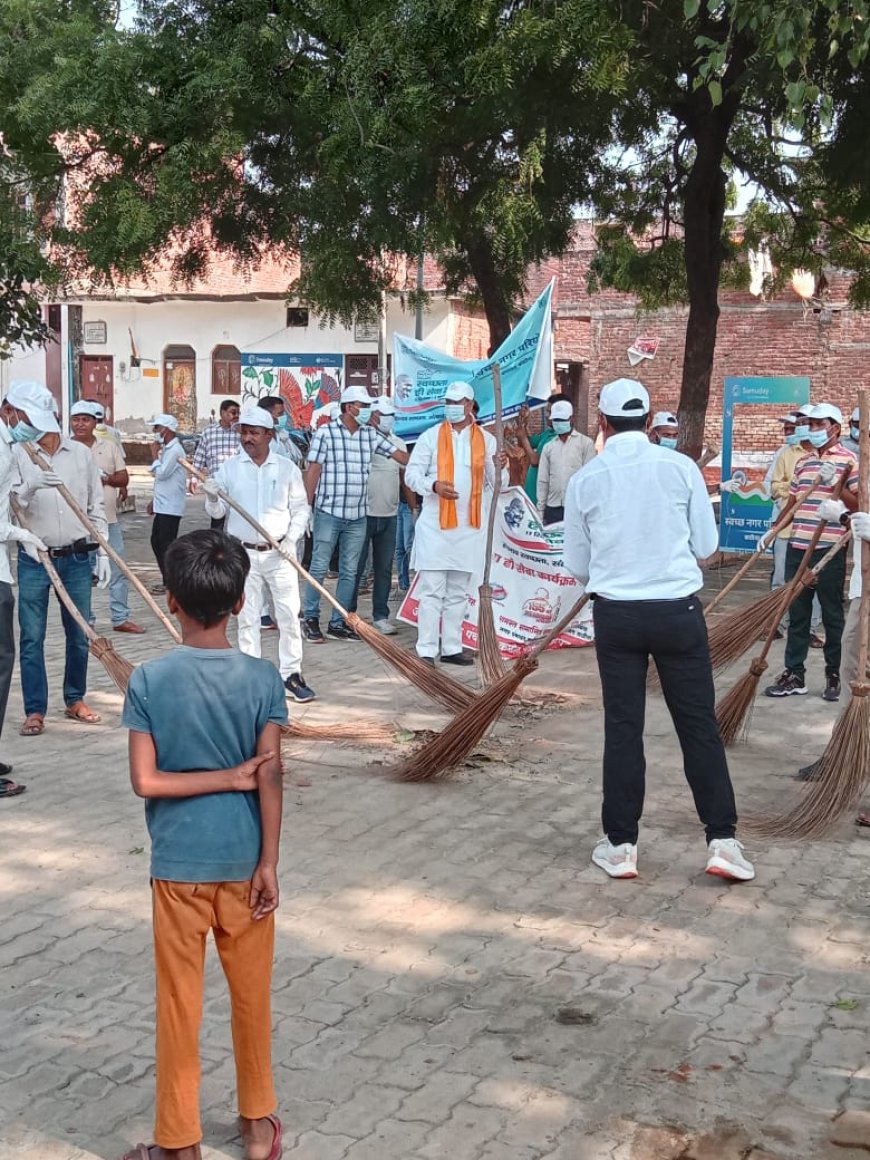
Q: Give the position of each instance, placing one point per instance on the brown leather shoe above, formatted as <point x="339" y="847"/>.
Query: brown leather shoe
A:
<point x="128" y="626"/>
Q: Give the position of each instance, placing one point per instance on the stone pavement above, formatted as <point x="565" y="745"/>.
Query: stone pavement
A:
<point x="453" y="978"/>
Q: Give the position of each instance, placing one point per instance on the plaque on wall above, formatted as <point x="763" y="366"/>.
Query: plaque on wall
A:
<point x="95" y="333"/>
<point x="365" y="331"/>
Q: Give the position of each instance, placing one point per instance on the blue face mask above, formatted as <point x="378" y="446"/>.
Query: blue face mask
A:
<point x="792" y="440"/>
<point x="855" y="432"/>
<point x="668" y="441"/>
<point x="819" y="438"/>
<point x="454" y="412"/>
<point x="802" y="433"/>
<point x="283" y="422"/>
<point x="23" y="433"/>
<point x="363" y="415"/>
<point x="561" y="426"/>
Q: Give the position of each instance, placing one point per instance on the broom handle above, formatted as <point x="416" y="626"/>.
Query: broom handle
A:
<point x="82" y="517"/>
<point x="56" y="581"/>
<point x="268" y="539"/>
<point x="561" y="625"/>
<point x="864" y="501"/>
<point x="496" y="489"/>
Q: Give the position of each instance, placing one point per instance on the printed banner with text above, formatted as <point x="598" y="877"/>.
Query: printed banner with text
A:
<point x="531" y="588"/>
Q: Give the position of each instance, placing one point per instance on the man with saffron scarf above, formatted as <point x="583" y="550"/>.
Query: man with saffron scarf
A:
<point x="452" y="466"/>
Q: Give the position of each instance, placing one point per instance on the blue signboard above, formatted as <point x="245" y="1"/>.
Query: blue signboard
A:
<point x="746" y="511"/>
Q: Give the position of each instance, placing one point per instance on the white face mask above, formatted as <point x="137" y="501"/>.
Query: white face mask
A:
<point x="158" y="438"/>
<point x="385" y="423"/>
<point x="454" y="412"/>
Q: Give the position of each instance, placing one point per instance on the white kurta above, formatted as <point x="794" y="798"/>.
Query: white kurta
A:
<point x="459" y="549"/>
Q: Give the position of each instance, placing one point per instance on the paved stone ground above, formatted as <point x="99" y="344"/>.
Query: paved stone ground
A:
<point x="453" y="978"/>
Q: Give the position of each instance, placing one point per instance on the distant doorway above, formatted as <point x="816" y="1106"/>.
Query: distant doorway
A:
<point x="98" y="381"/>
<point x="179" y="384"/>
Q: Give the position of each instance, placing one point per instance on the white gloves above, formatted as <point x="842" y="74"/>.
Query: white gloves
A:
<point x="830" y="510"/>
<point x="860" y="525"/>
<point x="211" y="489"/>
<point x="727" y="485"/>
<point x="45" y="479"/>
<point x="31" y="544"/>
<point x="827" y="474"/>
<point x="104" y="570"/>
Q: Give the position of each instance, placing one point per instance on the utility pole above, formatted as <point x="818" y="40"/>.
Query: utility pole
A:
<point x="418" y="321"/>
<point x="382" y="346"/>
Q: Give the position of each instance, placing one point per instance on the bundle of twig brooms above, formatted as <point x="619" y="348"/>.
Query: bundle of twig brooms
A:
<point x="844" y="767"/>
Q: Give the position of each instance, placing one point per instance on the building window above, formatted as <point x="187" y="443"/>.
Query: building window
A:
<point x="226" y="371"/>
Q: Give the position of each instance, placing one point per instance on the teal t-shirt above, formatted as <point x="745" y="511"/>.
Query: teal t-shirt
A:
<point x="205" y="709"/>
<point x="538" y="442"/>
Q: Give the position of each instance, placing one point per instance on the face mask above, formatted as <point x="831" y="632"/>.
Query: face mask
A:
<point x="454" y="412"/>
<point x="792" y="440"/>
<point x="561" y="426"/>
<point x="668" y="441"/>
<point x="855" y="432"/>
<point x="23" y="433"/>
<point x="283" y="422"/>
<point x="158" y="438"/>
<point x="386" y="423"/>
<point x="801" y="434"/>
<point x="363" y="415"/>
<point x="818" y="438"/>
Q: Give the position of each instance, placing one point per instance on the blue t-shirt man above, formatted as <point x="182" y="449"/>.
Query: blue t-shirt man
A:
<point x="182" y="700"/>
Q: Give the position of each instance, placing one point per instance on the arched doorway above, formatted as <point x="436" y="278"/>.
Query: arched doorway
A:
<point x="179" y="384"/>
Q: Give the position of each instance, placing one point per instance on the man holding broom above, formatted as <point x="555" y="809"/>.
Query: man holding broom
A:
<point x="637" y="520"/>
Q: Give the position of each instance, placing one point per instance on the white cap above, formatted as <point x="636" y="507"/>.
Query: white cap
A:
<point x="856" y="415"/>
<point x="37" y="402"/>
<point x="384" y="405"/>
<point x="356" y="395"/>
<point x="791" y="418"/>
<point x="827" y="411"/>
<point x="256" y="417"/>
<point x="561" y="410"/>
<point x="163" y="421"/>
<point x="806" y="410"/>
<point x="665" y="419"/>
<point x="457" y="391"/>
<point x="617" y="396"/>
<point x="86" y="407"/>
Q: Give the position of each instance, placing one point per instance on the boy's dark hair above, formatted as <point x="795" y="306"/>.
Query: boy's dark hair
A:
<point x="227" y="403"/>
<point x="622" y="423"/>
<point x="206" y="571"/>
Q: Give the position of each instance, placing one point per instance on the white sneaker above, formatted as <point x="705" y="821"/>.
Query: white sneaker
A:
<point x="384" y="627"/>
<point x="726" y="860"/>
<point x="617" y="861"/>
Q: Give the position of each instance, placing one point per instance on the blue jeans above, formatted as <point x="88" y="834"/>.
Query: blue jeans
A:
<point x="381" y="538"/>
<point x="119" y="590"/>
<point x="33" y="591"/>
<point x="404" y="543"/>
<point x="350" y="536"/>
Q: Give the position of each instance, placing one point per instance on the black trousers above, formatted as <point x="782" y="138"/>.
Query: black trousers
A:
<point x="219" y="525"/>
<point x="7" y="645"/>
<point x="674" y="633"/>
<point x="553" y="515"/>
<point x="829" y="586"/>
<point x="163" y="531"/>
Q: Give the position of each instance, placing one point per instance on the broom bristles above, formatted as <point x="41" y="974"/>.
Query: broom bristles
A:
<point x="365" y="732"/>
<point x="119" y="669"/>
<point x="453" y="695"/>
<point x="491" y="666"/>
<point x="450" y="747"/>
<point x="734" y="635"/>
<point x="733" y="711"/>
<point x="843" y="772"/>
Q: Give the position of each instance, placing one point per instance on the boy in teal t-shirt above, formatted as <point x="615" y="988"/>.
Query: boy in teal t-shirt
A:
<point x="205" y="725"/>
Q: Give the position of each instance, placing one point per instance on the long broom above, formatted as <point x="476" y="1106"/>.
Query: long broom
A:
<point x="99" y="647"/>
<point x="492" y="668"/>
<point x="360" y="732"/>
<point x="735" y="707"/>
<point x="454" y="743"/>
<point x="118" y="560"/>
<point x="844" y="767"/>
<point x="446" y="691"/>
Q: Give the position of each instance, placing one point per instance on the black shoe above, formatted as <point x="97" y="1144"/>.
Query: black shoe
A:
<point x="459" y="658"/>
<point x="427" y="660"/>
<point x="809" y="772"/>
<point x="5" y="769"/>
<point x="788" y="685"/>
<point x="297" y="689"/>
<point x="341" y="631"/>
<point x="832" y="688"/>
<point x="311" y="631"/>
<point x="816" y="641"/>
<point x="267" y="624"/>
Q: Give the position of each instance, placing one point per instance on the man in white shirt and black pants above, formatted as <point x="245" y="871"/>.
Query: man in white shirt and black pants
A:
<point x="170" y="487"/>
<point x="637" y="520"/>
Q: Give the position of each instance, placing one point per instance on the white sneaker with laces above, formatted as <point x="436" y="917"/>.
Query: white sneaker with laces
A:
<point x="384" y="627"/>
<point x="726" y="860"/>
<point x="617" y="861"/>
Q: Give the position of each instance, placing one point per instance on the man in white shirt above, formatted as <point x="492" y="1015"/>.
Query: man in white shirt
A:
<point x="69" y="543"/>
<point x="269" y="486"/>
<point x="386" y="481"/>
<point x="637" y="520"/>
<point x="453" y="467"/>
<point x="17" y="424"/>
<point x="170" y="488"/>
<point x="559" y="459"/>
<point x="113" y="472"/>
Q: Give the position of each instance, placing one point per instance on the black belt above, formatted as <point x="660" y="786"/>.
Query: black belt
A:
<point x="79" y="548"/>
<point x="262" y="547"/>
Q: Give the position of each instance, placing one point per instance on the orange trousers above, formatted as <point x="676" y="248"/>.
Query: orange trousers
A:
<point x="184" y="912"/>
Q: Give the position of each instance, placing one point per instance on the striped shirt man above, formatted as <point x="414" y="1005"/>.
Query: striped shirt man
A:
<point x="806" y="518"/>
<point x="346" y="458"/>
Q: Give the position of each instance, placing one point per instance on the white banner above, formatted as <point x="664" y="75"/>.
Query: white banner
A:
<point x="531" y="588"/>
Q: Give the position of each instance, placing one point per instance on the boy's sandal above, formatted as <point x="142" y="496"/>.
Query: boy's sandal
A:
<point x="34" y="724"/>
<point x="277" y="1150"/>
<point x="140" y="1152"/>
<point x="863" y="819"/>
<point x="81" y="713"/>
<point x="10" y="788"/>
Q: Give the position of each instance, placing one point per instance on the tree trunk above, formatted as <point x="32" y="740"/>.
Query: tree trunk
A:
<point x="496" y="305"/>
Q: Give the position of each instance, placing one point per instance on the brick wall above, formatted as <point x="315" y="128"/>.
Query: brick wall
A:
<point x="470" y="332"/>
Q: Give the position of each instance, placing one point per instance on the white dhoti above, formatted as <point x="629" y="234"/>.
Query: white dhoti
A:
<point x="442" y="596"/>
<point x="271" y="575"/>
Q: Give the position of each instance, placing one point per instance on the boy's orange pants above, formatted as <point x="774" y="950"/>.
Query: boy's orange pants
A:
<point x="184" y="912"/>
